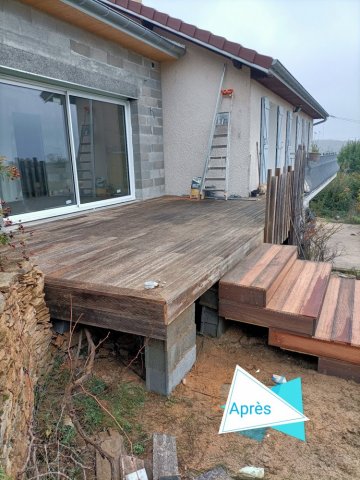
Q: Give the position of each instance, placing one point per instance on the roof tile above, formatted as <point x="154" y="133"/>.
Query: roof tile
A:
<point x="217" y="41"/>
<point x="202" y="35"/>
<point x="247" y="54"/>
<point x="263" y="60"/>
<point x="148" y="12"/>
<point x="136" y="6"/>
<point x="232" y="47"/>
<point x="123" y="3"/>
<point x="174" y="23"/>
<point x="161" y="17"/>
<point x="188" y="29"/>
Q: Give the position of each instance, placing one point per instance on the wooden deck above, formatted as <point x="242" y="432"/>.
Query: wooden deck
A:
<point x="99" y="261"/>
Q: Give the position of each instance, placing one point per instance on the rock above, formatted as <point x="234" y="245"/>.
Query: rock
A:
<point x="251" y="472"/>
<point x="113" y="444"/>
<point x="218" y="473"/>
<point x="25" y="336"/>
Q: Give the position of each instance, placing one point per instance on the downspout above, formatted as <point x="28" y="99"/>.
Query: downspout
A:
<point x="103" y="13"/>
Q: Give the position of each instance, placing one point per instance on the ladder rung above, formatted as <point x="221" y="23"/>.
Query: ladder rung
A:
<point x="215" y="157"/>
<point x="217" y="168"/>
<point x="218" y="146"/>
<point x="209" y="189"/>
<point x="209" y="179"/>
<point x="217" y="135"/>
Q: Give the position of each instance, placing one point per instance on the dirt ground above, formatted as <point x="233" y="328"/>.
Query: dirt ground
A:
<point x="193" y="414"/>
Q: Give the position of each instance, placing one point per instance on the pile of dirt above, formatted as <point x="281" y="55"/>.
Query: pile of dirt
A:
<point x="193" y="413"/>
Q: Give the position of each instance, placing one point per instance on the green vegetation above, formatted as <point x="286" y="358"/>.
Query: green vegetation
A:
<point x="3" y="475"/>
<point x="341" y="198"/>
<point x="124" y="402"/>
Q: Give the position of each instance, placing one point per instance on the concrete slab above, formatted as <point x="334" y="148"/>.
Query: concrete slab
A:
<point x="348" y="240"/>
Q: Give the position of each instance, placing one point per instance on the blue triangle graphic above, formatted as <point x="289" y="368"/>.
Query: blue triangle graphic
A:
<point x="291" y="392"/>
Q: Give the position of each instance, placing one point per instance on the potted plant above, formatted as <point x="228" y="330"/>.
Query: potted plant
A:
<point x="314" y="153"/>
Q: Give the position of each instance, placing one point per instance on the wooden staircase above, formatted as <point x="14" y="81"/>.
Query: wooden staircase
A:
<point x="305" y="308"/>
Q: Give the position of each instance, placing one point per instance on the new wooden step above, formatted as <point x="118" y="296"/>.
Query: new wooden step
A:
<point x="302" y="291"/>
<point x="255" y="279"/>
<point x="339" y="320"/>
<point x="295" y="306"/>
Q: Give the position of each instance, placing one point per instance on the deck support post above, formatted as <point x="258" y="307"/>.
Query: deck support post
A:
<point x="212" y="325"/>
<point x="168" y="361"/>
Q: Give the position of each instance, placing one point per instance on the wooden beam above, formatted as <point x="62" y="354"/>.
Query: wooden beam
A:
<point x="313" y="346"/>
<point x="74" y="16"/>
<point x="330" y="366"/>
<point x="266" y="318"/>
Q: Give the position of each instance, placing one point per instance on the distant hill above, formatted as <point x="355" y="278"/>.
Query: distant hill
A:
<point x="326" y="146"/>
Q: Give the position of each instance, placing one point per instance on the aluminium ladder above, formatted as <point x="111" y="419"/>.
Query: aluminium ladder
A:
<point x="214" y="183"/>
<point x="85" y="156"/>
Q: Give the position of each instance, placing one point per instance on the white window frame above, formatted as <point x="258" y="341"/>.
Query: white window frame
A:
<point x="54" y="212"/>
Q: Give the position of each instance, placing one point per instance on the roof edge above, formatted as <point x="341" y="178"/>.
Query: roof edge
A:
<point x="184" y="36"/>
<point x="99" y="10"/>
<point x="278" y="70"/>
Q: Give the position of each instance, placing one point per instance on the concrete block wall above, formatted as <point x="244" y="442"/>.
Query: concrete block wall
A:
<point x="38" y="43"/>
<point x="167" y="362"/>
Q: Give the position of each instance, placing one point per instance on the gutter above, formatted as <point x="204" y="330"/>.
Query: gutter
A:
<point x="278" y="70"/>
<point x="98" y="10"/>
<point x="321" y="121"/>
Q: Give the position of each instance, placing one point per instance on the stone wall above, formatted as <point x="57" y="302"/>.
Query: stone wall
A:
<point x="24" y="340"/>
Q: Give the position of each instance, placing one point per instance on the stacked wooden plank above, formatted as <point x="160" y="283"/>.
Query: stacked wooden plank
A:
<point x="305" y="309"/>
<point x="284" y="202"/>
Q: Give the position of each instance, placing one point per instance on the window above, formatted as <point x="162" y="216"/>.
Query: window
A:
<point x="72" y="151"/>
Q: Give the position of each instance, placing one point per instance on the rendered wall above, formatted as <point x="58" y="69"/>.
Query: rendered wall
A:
<point x="190" y="87"/>
<point x="38" y="43"/>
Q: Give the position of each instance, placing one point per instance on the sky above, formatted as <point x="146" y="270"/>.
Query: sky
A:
<point x="318" y="41"/>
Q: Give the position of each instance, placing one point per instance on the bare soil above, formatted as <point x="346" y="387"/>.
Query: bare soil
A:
<point x="193" y="414"/>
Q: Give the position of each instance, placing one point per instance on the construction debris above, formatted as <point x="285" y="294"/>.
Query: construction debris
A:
<point x="278" y="379"/>
<point x="251" y="472"/>
<point x="138" y="475"/>
<point x="165" y="463"/>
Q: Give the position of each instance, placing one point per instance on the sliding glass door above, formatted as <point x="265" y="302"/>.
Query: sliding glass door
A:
<point x="101" y="150"/>
<point x="33" y="137"/>
<point x="72" y="151"/>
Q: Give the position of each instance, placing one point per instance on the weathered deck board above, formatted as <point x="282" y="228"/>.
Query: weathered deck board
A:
<point x="102" y="259"/>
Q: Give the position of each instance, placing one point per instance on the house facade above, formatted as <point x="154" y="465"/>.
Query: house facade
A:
<point x="108" y="102"/>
